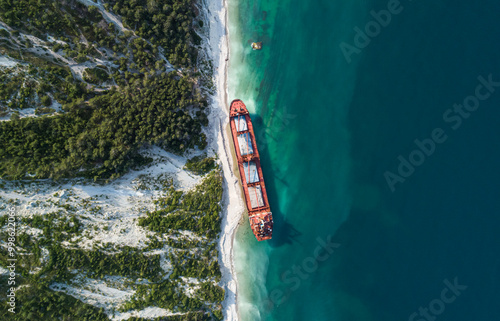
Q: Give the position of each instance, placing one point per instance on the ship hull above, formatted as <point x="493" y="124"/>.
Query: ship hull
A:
<point x="252" y="178"/>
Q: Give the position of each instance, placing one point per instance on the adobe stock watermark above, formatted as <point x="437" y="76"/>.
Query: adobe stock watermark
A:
<point x="381" y="19"/>
<point x="436" y="307"/>
<point x="11" y="260"/>
<point x="454" y="117"/>
<point x="292" y="278"/>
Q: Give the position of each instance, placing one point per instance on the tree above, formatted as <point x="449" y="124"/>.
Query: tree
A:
<point x="46" y="101"/>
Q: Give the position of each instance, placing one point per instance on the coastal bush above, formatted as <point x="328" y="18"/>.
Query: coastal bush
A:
<point x="163" y="295"/>
<point x="210" y="292"/>
<point x="143" y="54"/>
<point x="128" y="262"/>
<point x="101" y="138"/>
<point x="195" y="267"/>
<point x="19" y="86"/>
<point x="190" y="316"/>
<point x="96" y="75"/>
<point x="98" y="135"/>
<point x="217" y="313"/>
<point x="200" y="165"/>
<point x="197" y="210"/>
<point x="44" y="111"/>
<point x="34" y="299"/>
<point x="70" y="18"/>
<point x="57" y="226"/>
<point x="46" y="101"/>
<point x="166" y="23"/>
<point x="36" y="302"/>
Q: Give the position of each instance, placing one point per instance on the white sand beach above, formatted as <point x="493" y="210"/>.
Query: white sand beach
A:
<point x="233" y="206"/>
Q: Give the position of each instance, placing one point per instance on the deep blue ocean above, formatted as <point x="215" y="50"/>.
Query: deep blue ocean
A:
<point x="379" y="133"/>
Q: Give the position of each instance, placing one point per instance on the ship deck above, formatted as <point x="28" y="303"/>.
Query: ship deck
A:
<point x="252" y="177"/>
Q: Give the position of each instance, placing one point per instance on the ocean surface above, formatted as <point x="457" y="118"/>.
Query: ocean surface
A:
<point x="381" y="158"/>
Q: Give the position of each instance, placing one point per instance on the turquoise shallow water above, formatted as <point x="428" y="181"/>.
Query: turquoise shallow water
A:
<point x="328" y="132"/>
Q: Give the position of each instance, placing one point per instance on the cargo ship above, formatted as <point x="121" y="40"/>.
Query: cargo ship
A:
<point x="252" y="179"/>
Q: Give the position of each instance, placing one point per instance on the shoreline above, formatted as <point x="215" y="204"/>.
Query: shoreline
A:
<point x="232" y="204"/>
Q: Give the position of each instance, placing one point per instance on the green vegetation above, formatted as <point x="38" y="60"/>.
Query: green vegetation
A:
<point x="144" y="54"/>
<point x="210" y="292"/>
<point x="164" y="295"/>
<point x="200" y="165"/>
<point x="194" y="266"/>
<point x="97" y="75"/>
<point x="14" y="89"/>
<point x="35" y="302"/>
<point x="57" y="226"/>
<point x="63" y="19"/>
<point x="46" y="101"/>
<point x="43" y="259"/>
<point x="21" y="85"/>
<point x="81" y="33"/>
<point x="102" y="137"/>
<point x="128" y="262"/>
<point x="123" y="101"/>
<point x="166" y="23"/>
<point x="196" y="210"/>
<point x="199" y="264"/>
<point x="192" y="316"/>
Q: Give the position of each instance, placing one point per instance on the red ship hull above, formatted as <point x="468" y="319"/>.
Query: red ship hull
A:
<point x="252" y="179"/>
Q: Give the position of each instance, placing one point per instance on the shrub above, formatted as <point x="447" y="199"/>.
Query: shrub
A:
<point x="46" y="101"/>
<point x="200" y="165"/>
